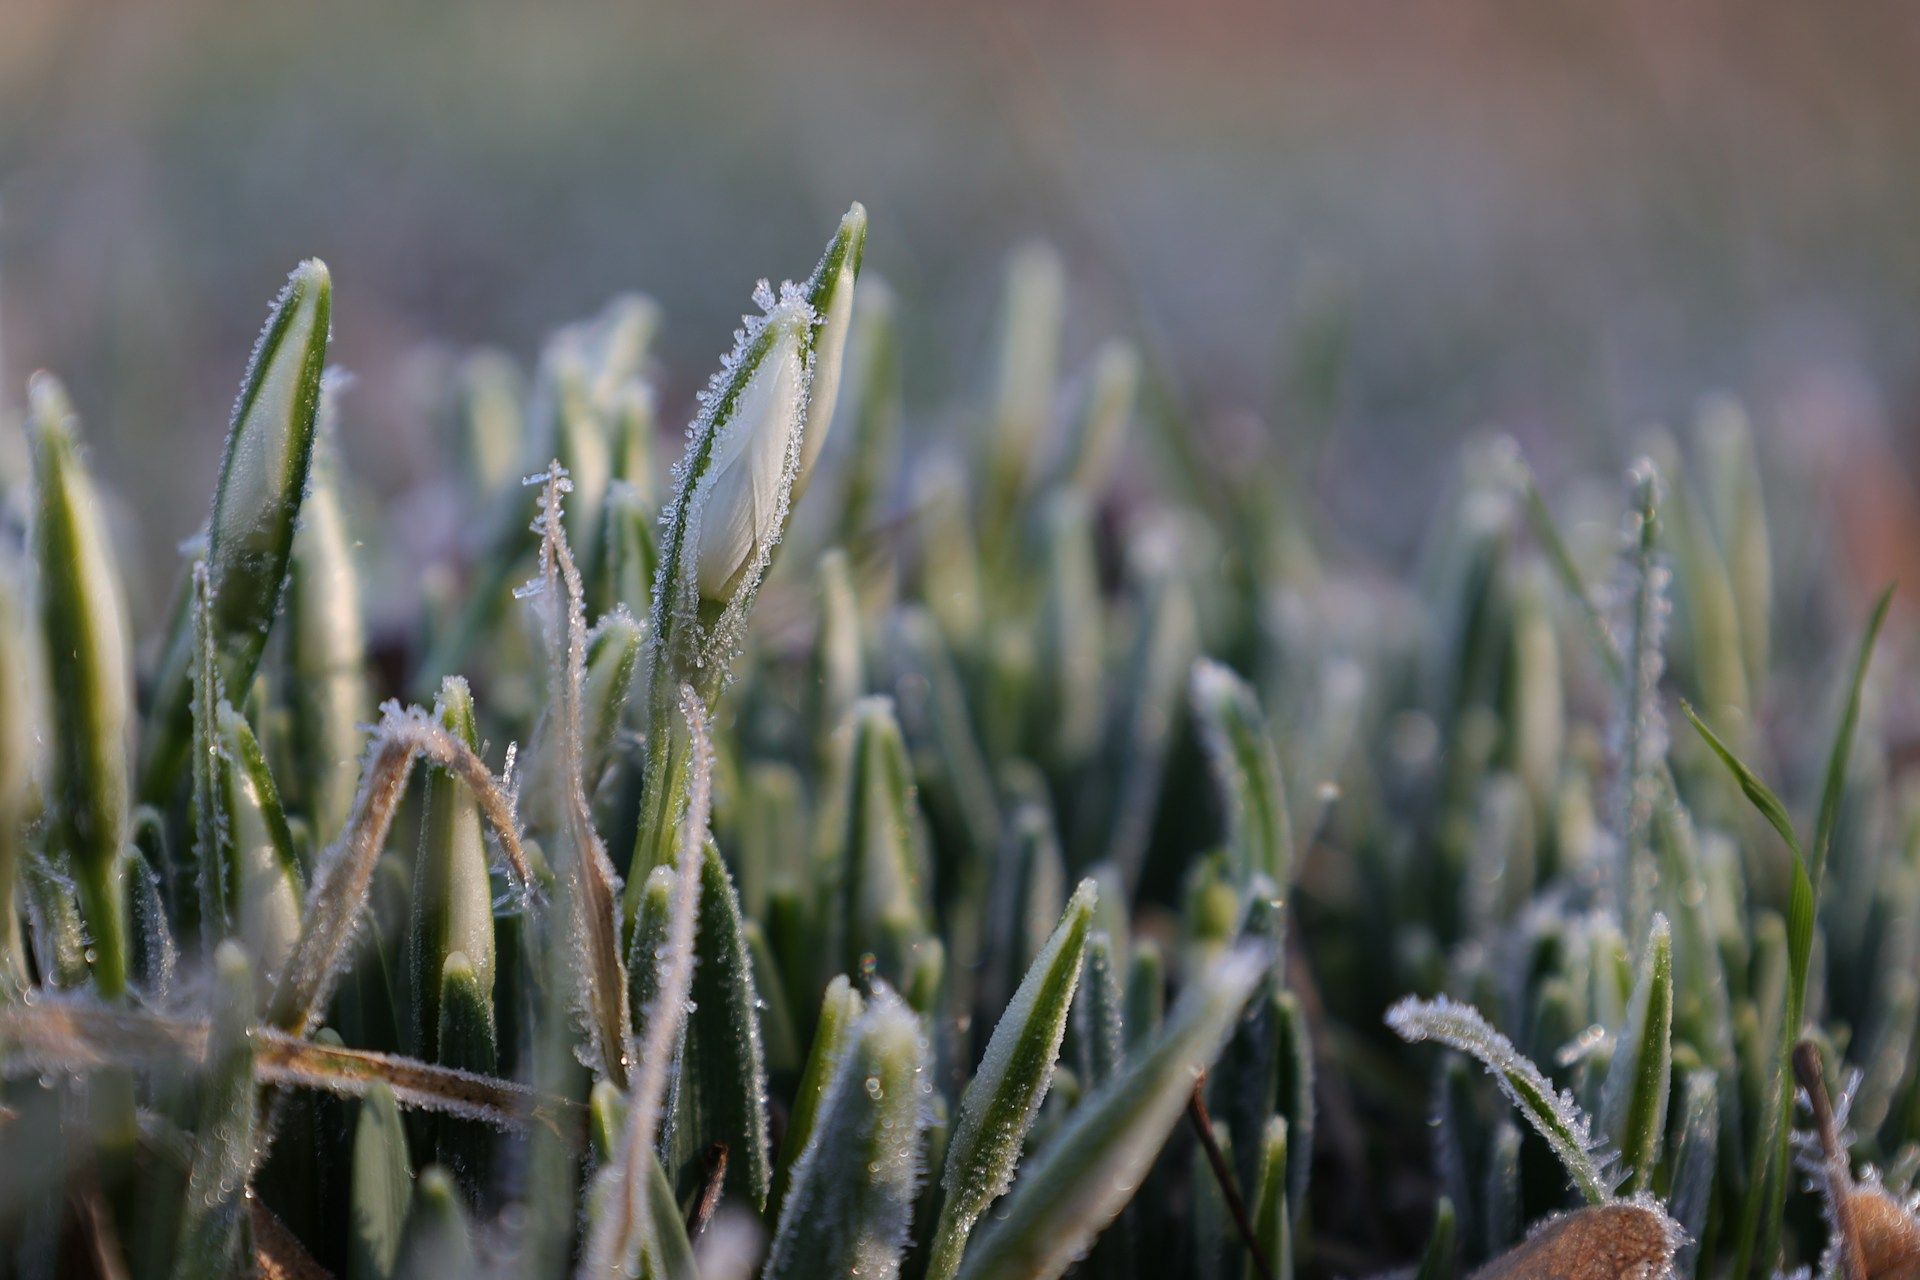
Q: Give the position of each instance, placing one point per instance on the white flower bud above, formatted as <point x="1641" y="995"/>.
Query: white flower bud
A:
<point x="741" y="503"/>
<point x="733" y="490"/>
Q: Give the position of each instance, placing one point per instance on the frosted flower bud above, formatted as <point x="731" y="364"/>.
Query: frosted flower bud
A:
<point x="741" y="504"/>
<point x="746" y="459"/>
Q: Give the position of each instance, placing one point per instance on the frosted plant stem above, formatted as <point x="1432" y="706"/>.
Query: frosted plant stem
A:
<point x="1644" y="736"/>
<point x="1229" y="1190"/>
<point x="595" y="896"/>
<point x="345" y="870"/>
<point x="83" y="1038"/>
<point x="1833" y="1159"/>
<point x="1552" y="1112"/>
<point x="614" y="1232"/>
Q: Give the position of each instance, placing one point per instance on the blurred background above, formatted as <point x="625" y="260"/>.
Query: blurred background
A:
<point x="1372" y="228"/>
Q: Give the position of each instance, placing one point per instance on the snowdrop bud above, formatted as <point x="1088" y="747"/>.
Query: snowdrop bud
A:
<point x="263" y="479"/>
<point x="741" y="502"/>
<point x="733" y="488"/>
<point x="83" y="623"/>
<point x="830" y="294"/>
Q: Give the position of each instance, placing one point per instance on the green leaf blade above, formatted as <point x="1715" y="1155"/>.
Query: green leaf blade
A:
<point x="853" y="1189"/>
<point x="1002" y="1100"/>
<point x="1086" y="1175"/>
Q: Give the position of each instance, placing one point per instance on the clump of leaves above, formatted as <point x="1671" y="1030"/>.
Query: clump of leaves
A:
<point x="843" y="853"/>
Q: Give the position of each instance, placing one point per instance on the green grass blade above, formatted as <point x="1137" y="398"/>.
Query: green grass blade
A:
<point x="1099" y="1037"/>
<point x="628" y="558"/>
<point x="256" y="851"/>
<point x="1757" y="792"/>
<point x="1272" y="1218"/>
<point x="1243" y="1087"/>
<point x="871" y="455"/>
<point x="1093" y="449"/>
<point x="1142" y="731"/>
<point x="1093" y="1166"/>
<point x="1246" y="770"/>
<point x="1296" y="1095"/>
<point x="467" y="1040"/>
<point x="452" y="902"/>
<point x="438" y="1241"/>
<point x="613" y="655"/>
<point x="839" y="675"/>
<point x="853" y="1189"/>
<point x="1027" y="371"/>
<point x="880" y="891"/>
<point x="1501" y="1196"/>
<point x="1553" y="1113"/>
<point x="1003" y="1098"/>
<point x="780" y="1038"/>
<point x="54" y="928"/>
<point x="1146" y="994"/>
<point x="1835" y="785"/>
<point x="18" y="726"/>
<point x="1068" y="714"/>
<point x="382" y="1188"/>
<point x="840" y="1009"/>
<point x="1028" y="894"/>
<point x="1695" y="1156"/>
<point x="82" y="621"/>
<point x="1766" y="1194"/>
<point x="215" y="1207"/>
<point x="1436" y="1262"/>
<point x="1633" y="1115"/>
<point x="647" y="948"/>
<point x="721" y="1090"/>
<point x="1643" y="762"/>
<point x="1560" y="556"/>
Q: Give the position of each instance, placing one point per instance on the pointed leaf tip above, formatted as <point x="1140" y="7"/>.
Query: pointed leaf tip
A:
<point x="1003" y="1100"/>
<point x="1089" y="1170"/>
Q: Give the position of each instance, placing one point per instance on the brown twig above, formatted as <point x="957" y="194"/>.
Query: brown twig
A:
<point x="1203" y="1129"/>
<point x="709" y="1198"/>
<point x="277" y="1252"/>
<point x="101" y="1240"/>
<point x="1806" y="1066"/>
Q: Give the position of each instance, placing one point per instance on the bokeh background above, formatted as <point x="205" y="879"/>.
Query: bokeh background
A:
<point x="1373" y="228"/>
